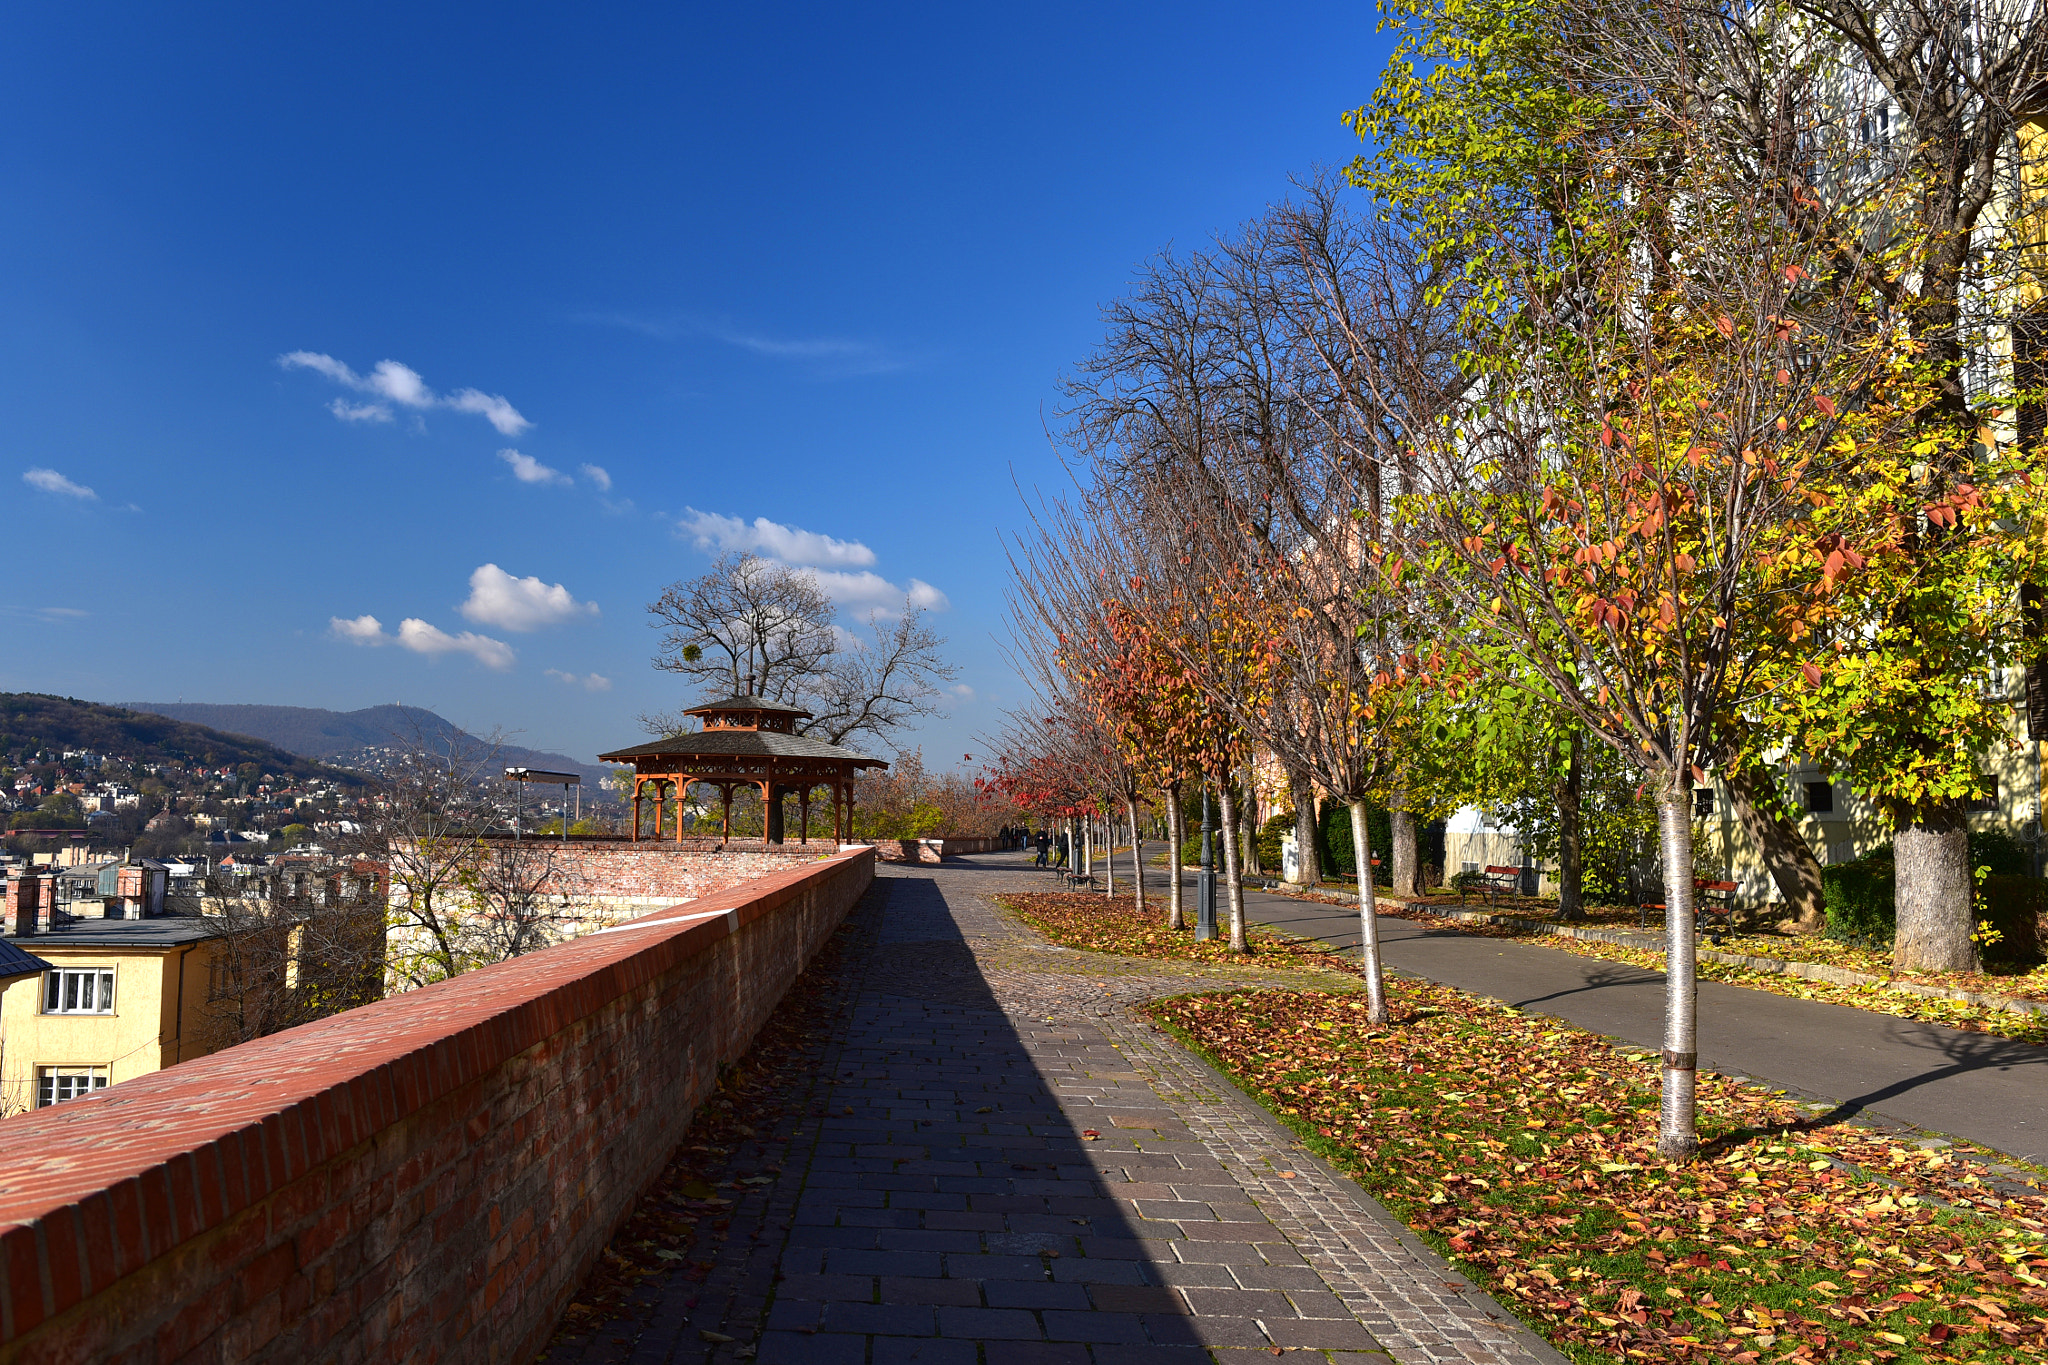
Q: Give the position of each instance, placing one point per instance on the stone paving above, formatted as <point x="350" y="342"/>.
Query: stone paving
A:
<point x="999" y="1164"/>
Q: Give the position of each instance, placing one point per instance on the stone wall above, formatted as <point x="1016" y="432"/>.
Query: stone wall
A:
<point x="428" y="1178"/>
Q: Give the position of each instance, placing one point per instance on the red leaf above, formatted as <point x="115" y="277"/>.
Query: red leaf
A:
<point x="1812" y="674"/>
<point x="1824" y="403"/>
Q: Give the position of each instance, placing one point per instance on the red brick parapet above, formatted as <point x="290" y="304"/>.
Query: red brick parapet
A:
<point x="426" y="1178"/>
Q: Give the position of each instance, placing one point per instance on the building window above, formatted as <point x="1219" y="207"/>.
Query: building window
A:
<point x="75" y="990"/>
<point x="1702" y="802"/>
<point x="1988" y="801"/>
<point x="56" y="1084"/>
<point x="1820" y="797"/>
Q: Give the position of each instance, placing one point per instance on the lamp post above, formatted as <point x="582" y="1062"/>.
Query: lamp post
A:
<point x="1205" y="880"/>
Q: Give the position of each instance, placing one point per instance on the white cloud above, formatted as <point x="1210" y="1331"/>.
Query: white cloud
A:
<point x="589" y="682"/>
<point x="496" y="598"/>
<point x="422" y="638"/>
<point x="598" y="475"/>
<point x="50" y="481"/>
<point x="774" y="540"/>
<point x="361" y="630"/>
<point x="961" y="690"/>
<point x="359" y="412"/>
<point x="390" y="382"/>
<point x="492" y="409"/>
<point x="526" y="469"/>
<point x="873" y="590"/>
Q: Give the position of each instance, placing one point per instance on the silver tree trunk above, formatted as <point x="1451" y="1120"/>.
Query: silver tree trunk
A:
<point x="1137" y="856"/>
<point x="1368" y="918"/>
<point x="1109" y="852"/>
<point x="1233" y="879"/>
<point x="1677" y="1137"/>
<point x="1935" y="895"/>
<point x="1175" y="916"/>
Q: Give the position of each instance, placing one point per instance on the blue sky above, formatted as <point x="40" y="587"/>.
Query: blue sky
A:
<point x="486" y="321"/>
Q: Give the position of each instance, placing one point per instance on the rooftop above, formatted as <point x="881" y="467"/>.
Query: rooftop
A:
<point x="739" y="744"/>
<point x="158" y="931"/>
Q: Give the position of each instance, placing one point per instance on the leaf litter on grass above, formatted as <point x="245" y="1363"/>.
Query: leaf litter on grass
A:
<point x="1112" y="924"/>
<point x="1525" y="1149"/>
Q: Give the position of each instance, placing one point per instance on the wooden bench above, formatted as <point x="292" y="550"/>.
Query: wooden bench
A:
<point x="1497" y="881"/>
<point x="1711" y="901"/>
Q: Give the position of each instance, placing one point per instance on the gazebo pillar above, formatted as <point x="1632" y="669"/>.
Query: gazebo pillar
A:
<point x="637" y="782"/>
<point x="771" y="814"/>
<point x="725" y="830"/>
<point x="803" y="805"/>
<point x="682" y="786"/>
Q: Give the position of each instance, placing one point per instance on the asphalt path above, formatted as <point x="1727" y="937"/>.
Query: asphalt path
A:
<point x="1971" y="1085"/>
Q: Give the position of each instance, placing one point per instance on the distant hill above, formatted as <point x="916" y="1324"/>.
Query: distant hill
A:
<point x="345" y="737"/>
<point x="31" y="720"/>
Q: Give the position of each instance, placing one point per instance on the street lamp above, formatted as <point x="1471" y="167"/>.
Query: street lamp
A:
<point x="1205" y="880"/>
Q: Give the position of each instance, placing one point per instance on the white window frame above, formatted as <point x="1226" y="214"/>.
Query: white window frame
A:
<point x="65" y="987"/>
<point x="79" y="1080"/>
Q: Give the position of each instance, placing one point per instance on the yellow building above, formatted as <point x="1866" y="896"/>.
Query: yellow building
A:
<point x="116" y="998"/>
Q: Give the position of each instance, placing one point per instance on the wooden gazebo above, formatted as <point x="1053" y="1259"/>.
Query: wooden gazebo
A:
<point x="746" y="741"/>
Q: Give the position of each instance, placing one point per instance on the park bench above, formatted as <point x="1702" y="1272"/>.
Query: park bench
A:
<point x="1711" y="901"/>
<point x="1496" y="881"/>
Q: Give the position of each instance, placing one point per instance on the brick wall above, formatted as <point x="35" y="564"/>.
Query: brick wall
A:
<point x="934" y="850"/>
<point x="424" y="1179"/>
<point x="660" y="871"/>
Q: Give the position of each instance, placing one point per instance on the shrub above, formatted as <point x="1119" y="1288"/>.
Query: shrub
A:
<point x="1860" y="902"/>
<point x="2012" y="905"/>
<point x="1999" y="851"/>
<point x="1270" y="836"/>
<point x="1340" y="857"/>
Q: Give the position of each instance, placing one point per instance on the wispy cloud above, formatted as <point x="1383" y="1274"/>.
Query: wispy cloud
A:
<point x="389" y="382"/>
<point x="961" y="690"/>
<point x="773" y="540"/>
<point x="829" y="356"/>
<point x="496" y="598"/>
<point x="598" y="475"/>
<point x="526" y="469"/>
<point x="589" y="682"/>
<point x="50" y="481"/>
<point x="423" y="638"/>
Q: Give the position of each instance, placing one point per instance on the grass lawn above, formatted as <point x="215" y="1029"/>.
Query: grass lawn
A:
<point x="1523" y="1149"/>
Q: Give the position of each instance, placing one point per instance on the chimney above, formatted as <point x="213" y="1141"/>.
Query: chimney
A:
<point x="24" y="903"/>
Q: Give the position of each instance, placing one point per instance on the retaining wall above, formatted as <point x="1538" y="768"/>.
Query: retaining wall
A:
<point x="428" y="1178"/>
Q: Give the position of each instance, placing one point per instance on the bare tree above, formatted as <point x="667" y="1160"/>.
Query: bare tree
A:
<point x="292" y="945"/>
<point x="751" y="622"/>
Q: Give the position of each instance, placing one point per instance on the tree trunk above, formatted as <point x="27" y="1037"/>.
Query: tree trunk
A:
<point x="1753" y="793"/>
<point x="1677" y="1137"/>
<point x="1250" y="824"/>
<point x="1307" y="858"/>
<point x="1233" y="872"/>
<point x="1176" y="918"/>
<point x="1109" y="851"/>
<point x="1407" y="880"/>
<point x="1137" y="857"/>
<point x="1368" y="918"/>
<point x="1571" y="854"/>
<point x="1935" y="892"/>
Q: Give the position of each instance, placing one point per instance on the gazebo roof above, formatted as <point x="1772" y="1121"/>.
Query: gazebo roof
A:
<point x="746" y="701"/>
<point x="741" y="744"/>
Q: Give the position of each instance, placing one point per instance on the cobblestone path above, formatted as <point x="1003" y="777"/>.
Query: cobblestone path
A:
<point x="997" y="1164"/>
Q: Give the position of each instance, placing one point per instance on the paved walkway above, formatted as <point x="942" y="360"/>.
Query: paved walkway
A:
<point x="998" y="1165"/>
<point x="1972" y="1085"/>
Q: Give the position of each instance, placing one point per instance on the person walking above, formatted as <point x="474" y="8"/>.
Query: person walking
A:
<point x="1044" y="842"/>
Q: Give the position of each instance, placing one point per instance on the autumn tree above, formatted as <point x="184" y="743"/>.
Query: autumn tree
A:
<point x="1893" y="145"/>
